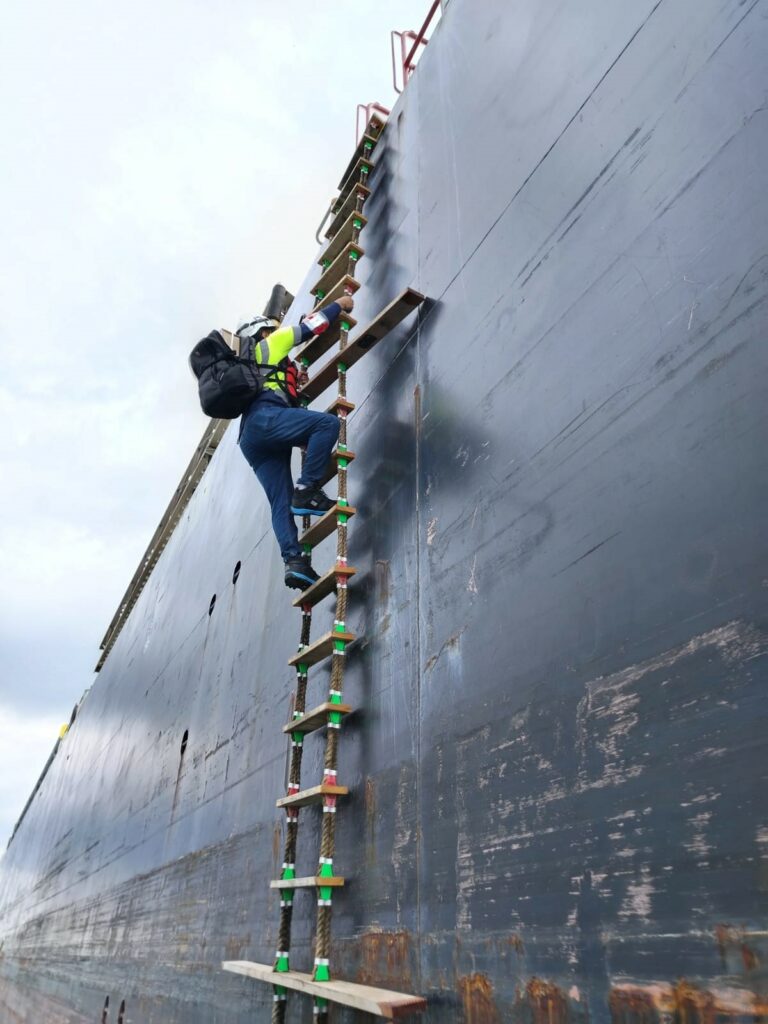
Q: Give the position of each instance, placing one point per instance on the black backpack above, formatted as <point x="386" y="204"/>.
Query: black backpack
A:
<point x="227" y="383"/>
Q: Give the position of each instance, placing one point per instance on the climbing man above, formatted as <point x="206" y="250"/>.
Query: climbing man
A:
<point x="274" y="424"/>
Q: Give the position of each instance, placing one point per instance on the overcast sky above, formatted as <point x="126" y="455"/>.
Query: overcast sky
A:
<point x="161" y="165"/>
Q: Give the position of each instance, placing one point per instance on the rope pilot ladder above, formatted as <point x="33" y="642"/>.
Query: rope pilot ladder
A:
<point x="338" y="264"/>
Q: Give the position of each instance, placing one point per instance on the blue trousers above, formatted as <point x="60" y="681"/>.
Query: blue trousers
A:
<point x="270" y="432"/>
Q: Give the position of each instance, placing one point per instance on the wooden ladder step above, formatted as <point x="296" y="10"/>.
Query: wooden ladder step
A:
<point x="340" y="213"/>
<point x="365" y="147"/>
<point x="353" y="178"/>
<point x="340" y="403"/>
<point x="333" y="465"/>
<point x="348" y="285"/>
<point x="315" y="795"/>
<point x="320" y="649"/>
<point x="378" y="1001"/>
<point x="337" y="270"/>
<point x="375" y="126"/>
<point x="311" y="882"/>
<point x="378" y="328"/>
<point x="325" y="585"/>
<point x="316" y="718"/>
<point x="354" y="222"/>
<point x="325" y="525"/>
<point x="320" y="344"/>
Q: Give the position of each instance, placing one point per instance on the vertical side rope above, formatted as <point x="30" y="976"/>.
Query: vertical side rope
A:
<point x="343" y="427"/>
<point x="342" y="475"/>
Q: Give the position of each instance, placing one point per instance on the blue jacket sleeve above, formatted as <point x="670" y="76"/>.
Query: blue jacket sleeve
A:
<point x="330" y="313"/>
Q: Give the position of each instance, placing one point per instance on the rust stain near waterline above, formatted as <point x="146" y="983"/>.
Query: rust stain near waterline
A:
<point x="548" y="1002"/>
<point x="684" y="1002"/>
<point x="632" y="1006"/>
<point x="385" y="959"/>
<point x="476" y="993"/>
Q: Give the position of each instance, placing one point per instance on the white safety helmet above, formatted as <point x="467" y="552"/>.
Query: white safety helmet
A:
<point x="250" y="328"/>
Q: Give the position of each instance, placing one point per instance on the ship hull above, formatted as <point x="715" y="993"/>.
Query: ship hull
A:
<point x="557" y="763"/>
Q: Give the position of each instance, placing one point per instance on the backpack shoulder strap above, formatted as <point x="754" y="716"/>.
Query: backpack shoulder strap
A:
<point x="252" y="354"/>
<point x="261" y="353"/>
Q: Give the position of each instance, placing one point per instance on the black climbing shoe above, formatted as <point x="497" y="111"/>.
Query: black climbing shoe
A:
<point x="299" y="574"/>
<point x="310" y="501"/>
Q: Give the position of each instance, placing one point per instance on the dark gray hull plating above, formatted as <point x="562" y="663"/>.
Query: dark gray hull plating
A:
<point x="558" y="767"/>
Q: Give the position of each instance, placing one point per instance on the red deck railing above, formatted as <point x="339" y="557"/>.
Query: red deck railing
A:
<point x="408" y="56"/>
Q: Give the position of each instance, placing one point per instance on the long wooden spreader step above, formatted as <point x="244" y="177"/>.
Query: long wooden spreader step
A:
<point x="316" y="718"/>
<point x="354" y="222"/>
<point x="387" y="320"/>
<point x="320" y="649"/>
<point x="378" y="1001"/>
<point x="340" y="213"/>
<point x="325" y="585"/>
